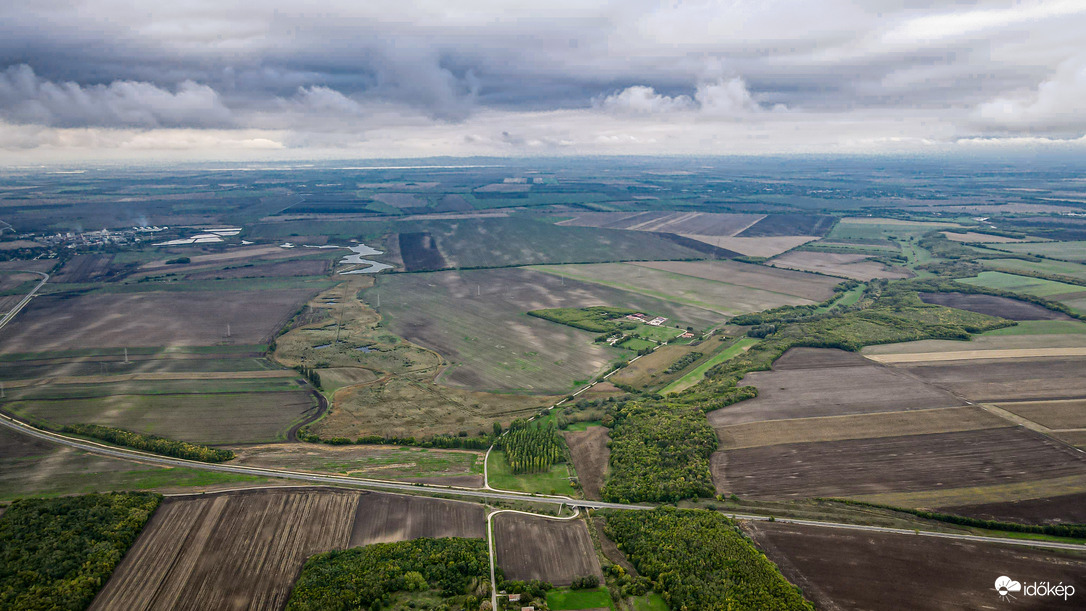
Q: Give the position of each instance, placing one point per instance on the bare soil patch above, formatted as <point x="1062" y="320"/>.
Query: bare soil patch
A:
<point x="529" y="547"/>
<point x="807" y="383"/>
<point x="1070" y="414"/>
<point x="87" y="268"/>
<point x="1066" y="509"/>
<point x="800" y="284"/>
<point x="1006" y="380"/>
<point x="590" y="457"/>
<point x="895" y="464"/>
<point x="281" y="269"/>
<point x="54" y="322"/>
<point x="847" y="569"/>
<point x="845" y="265"/>
<point x="754" y="247"/>
<point x="382" y="518"/>
<point x="790" y="224"/>
<point x="863" y="426"/>
<point x="993" y="305"/>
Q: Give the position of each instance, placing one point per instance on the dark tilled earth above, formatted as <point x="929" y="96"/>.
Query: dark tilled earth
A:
<point x="993" y="306"/>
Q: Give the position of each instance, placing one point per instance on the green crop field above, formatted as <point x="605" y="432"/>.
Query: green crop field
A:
<point x="1046" y="266"/>
<point x="1024" y="284"/>
<point x="865" y="228"/>
<point x="1042" y="327"/>
<point x="1070" y="251"/>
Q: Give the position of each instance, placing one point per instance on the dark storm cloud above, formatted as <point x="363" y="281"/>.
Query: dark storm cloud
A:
<point x="978" y="69"/>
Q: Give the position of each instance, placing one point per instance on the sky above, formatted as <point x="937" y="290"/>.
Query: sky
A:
<point x="93" y="80"/>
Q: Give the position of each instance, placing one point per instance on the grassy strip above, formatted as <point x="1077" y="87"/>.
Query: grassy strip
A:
<point x="597" y="598"/>
<point x="1056" y="530"/>
<point x="149" y="443"/>
<point x="699" y="559"/>
<point x="698" y="373"/>
<point x="553" y="481"/>
<point x="57" y="553"/>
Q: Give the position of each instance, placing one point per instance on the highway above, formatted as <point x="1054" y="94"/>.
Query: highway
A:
<point x="22" y="304"/>
<point x="475" y="493"/>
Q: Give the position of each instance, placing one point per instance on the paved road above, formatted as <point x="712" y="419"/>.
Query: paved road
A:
<point x="19" y="306"/>
<point x="476" y="493"/>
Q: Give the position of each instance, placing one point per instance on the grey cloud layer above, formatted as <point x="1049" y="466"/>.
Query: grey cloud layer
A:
<point x="344" y="73"/>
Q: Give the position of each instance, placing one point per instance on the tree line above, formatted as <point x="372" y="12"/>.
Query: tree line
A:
<point x="149" y="443"/>
<point x="531" y="448"/>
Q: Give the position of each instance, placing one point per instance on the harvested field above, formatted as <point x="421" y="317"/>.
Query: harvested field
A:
<point x="992" y="305"/>
<point x="789" y="224"/>
<point x="419" y="252"/>
<point x="1070" y="251"/>
<point x="1075" y="438"/>
<point x="451" y="467"/>
<point x="844" y="265"/>
<point x="38" y="265"/>
<point x="53" y="322"/>
<point x="1030" y="335"/>
<point x="972" y="355"/>
<point x="382" y="518"/>
<point x="815" y="382"/>
<point x="800" y="284"/>
<point x="1066" y="509"/>
<point x="244" y="550"/>
<point x="9" y="281"/>
<point x="281" y="269"/>
<point x="1051" y="414"/>
<point x="558" y="551"/>
<point x="720" y="297"/>
<point x="228" y="551"/>
<point x="754" y="247"/>
<point x="648" y="371"/>
<point x="402" y="407"/>
<point x="995" y="381"/>
<point x="863" y="426"/>
<point x="981" y="238"/>
<point x="200" y="418"/>
<point x="488" y="339"/>
<point x="230" y="255"/>
<point x="846" y="569"/>
<point x="590" y="457"/>
<point x="85" y="268"/>
<point x="706" y="223"/>
<point x="905" y="463"/>
<point x="333" y="378"/>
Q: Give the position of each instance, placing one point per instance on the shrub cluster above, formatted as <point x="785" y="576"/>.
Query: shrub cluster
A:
<point x="149" y="443"/>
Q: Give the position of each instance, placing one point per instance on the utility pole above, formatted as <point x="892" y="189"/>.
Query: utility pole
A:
<point x="126" y="354"/>
<point x="227" y="329"/>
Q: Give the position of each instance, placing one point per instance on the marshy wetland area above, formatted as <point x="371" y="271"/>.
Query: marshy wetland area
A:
<point x="543" y="387"/>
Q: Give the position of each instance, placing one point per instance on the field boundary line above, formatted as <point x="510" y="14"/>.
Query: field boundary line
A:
<point x="977" y="355"/>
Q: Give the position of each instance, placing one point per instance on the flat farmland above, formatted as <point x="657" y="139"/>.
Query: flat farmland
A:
<point x="767" y="246"/>
<point x="558" y="551"/>
<point x="870" y="228"/>
<point x="213" y="418"/>
<point x="1056" y="415"/>
<point x="1070" y="251"/>
<point x="846" y="569"/>
<point x="383" y="518"/>
<point x="451" y="467"/>
<point x="590" y="457"/>
<point x="1065" y="509"/>
<point x="1047" y="266"/>
<point x="814" y="382"/>
<point x="791" y="225"/>
<point x="844" y="265"/>
<point x="1049" y="289"/>
<point x="862" y="426"/>
<point x="799" y="284"/>
<point x="705" y="223"/>
<point x="982" y="238"/>
<point x="404" y="407"/>
<point x="284" y="269"/>
<point x="1027" y="335"/>
<point x="487" y="337"/>
<point x="53" y="322"/>
<point x="723" y="298"/>
<point x="994" y="381"/>
<point x="649" y="370"/>
<point x="907" y="463"/>
<point x="244" y="550"/>
<point x="993" y="305"/>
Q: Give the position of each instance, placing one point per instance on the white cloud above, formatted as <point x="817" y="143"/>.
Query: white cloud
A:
<point x="642" y="99"/>
<point x="725" y="98"/>
<point x="1057" y="104"/>
<point x="26" y="98"/>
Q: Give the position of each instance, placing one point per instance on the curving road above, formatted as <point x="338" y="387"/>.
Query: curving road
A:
<point x="475" y="493"/>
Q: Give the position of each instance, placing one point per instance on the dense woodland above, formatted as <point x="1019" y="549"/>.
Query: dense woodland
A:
<point x="149" y="443"/>
<point x="532" y="448"/>
<point x="368" y="577"/>
<point x="57" y="553"/>
<point x="700" y="561"/>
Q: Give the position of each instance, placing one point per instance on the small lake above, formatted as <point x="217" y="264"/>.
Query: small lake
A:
<point x="356" y="258"/>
